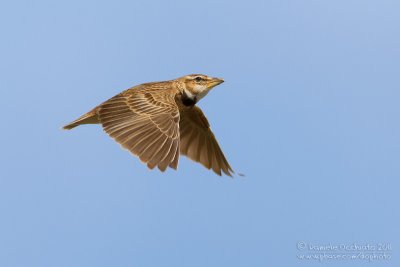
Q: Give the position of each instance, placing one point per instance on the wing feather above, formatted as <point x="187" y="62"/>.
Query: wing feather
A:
<point x="145" y="123"/>
<point x="161" y="153"/>
<point x="198" y="141"/>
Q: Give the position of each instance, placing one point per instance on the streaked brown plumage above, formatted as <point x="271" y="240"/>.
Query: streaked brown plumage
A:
<point x="159" y="121"/>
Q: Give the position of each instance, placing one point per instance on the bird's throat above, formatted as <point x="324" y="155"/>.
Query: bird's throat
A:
<point x="188" y="99"/>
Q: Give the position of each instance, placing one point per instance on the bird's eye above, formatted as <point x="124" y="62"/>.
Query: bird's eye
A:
<point x="198" y="79"/>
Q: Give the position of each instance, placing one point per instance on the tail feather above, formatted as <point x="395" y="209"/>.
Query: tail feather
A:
<point x="88" y="118"/>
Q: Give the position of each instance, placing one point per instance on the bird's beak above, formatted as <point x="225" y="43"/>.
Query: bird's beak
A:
<point x="215" y="81"/>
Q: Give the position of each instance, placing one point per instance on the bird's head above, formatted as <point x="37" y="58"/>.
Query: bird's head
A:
<point x="198" y="85"/>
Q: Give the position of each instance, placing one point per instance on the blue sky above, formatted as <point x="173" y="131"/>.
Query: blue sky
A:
<point x="309" y="112"/>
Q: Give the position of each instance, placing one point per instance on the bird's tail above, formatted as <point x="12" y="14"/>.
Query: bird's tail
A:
<point x="88" y="118"/>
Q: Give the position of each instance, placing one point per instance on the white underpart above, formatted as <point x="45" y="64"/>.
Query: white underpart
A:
<point x="200" y="91"/>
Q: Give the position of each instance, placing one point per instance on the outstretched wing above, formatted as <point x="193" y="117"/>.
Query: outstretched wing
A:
<point x="198" y="141"/>
<point x="146" y="122"/>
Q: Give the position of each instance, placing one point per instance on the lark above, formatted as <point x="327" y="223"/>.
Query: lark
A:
<point x="159" y="121"/>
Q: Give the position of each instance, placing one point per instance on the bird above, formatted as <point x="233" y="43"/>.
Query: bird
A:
<point x="159" y="121"/>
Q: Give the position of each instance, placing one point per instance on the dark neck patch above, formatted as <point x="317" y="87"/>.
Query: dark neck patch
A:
<point x="187" y="101"/>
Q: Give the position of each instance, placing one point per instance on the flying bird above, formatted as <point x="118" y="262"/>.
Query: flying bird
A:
<point x="158" y="121"/>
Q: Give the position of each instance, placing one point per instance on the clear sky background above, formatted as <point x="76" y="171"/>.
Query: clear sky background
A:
<point x="309" y="112"/>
